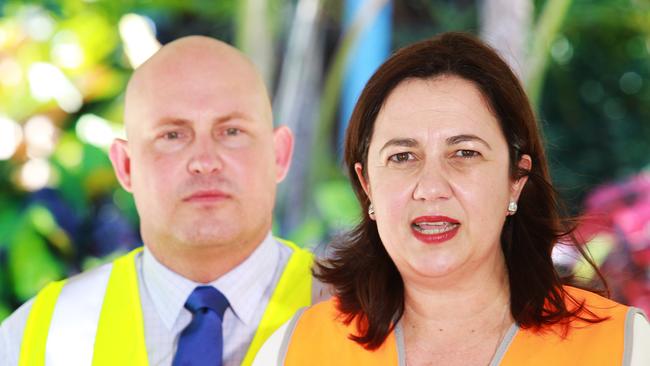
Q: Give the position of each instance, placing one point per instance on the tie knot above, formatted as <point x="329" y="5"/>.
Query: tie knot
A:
<point x="207" y="297"/>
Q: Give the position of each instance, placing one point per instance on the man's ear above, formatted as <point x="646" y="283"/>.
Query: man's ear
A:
<point x="358" y="168"/>
<point x="525" y="163"/>
<point x="121" y="160"/>
<point x="283" y="142"/>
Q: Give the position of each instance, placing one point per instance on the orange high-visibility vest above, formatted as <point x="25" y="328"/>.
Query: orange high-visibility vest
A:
<point x="320" y="337"/>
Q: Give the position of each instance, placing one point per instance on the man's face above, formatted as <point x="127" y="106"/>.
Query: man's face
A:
<point x="202" y="159"/>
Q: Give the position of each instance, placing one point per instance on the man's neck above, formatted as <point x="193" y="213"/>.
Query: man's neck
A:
<point x="202" y="264"/>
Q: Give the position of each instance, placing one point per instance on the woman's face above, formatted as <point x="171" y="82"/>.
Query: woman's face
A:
<point x="438" y="178"/>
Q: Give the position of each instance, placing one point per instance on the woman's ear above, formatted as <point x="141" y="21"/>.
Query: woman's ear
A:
<point x="358" y="168"/>
<point x="525" y="163"/>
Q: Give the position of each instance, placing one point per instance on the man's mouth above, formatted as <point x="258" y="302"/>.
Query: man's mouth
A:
<point x="210" y="195"/>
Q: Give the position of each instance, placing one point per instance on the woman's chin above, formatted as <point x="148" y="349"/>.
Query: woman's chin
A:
<point x="433" y="269"/>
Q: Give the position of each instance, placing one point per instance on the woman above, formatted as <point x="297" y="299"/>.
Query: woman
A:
<point x="452" y="264"/>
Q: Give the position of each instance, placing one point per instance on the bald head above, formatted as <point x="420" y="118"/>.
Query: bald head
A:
<point x="187" y="66"/>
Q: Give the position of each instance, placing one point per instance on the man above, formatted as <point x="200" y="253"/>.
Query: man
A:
<point x="202" y="161"/>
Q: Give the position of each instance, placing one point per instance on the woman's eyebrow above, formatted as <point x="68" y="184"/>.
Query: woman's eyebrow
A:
<point x="399" y="141"/>
<point x="462" y="138"/>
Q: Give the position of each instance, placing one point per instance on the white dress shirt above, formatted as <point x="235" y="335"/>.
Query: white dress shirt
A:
<point x="163" y="293"/>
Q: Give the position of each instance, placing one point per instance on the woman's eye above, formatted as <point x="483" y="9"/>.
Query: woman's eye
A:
<point x="466" y="153"/>
<point x="401" y="157"/>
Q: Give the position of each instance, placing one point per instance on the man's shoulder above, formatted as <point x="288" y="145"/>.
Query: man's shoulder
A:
<point x="97" y="276"/>
<point x="85" y="278"/>
<point x="16" y="321"/>
<point x="304" y="263"/>
<point x="289" y="248"/>
<point x="13" y="327"/>
<point x="11" y="334"/>
<point x="89" y="277"/>
<point x="74" y="285"/>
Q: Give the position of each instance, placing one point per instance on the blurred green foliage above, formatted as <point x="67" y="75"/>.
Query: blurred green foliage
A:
<point x="595" y="105"/>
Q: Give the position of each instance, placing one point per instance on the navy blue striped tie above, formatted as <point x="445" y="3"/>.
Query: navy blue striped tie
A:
<point x="201" y="342"/>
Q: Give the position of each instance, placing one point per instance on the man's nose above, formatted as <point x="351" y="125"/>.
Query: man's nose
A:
<point x="206" y="158"/>
<point x="432" y="183"/>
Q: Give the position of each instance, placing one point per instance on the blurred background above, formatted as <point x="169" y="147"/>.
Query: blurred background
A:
<point x="64" y="66"/>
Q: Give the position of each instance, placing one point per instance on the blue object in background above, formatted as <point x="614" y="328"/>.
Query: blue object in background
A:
<point x="370" y="50"/>
<point x="64" y="214"/>
<point x="110" y="230"/>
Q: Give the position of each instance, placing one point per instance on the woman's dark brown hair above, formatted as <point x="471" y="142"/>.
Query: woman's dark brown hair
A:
<point x="367" y="283"/>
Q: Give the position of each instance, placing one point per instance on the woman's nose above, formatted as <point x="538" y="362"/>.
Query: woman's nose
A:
<point x="432" y="183"/>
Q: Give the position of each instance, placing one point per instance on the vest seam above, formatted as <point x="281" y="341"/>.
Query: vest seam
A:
<point x="504" y="346"/>
<point x="286" y="339"/>
<point x="401" y="348"/>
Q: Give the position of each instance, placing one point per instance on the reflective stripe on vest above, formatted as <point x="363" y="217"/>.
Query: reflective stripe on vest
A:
<point x="93" y="315"/>
<point x="77" y="301"/>
<point x="319" y="337"/>
<point x="32" y="353"/>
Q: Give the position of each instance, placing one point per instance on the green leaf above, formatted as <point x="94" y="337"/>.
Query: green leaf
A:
<point x="31" y="263"/>
<point x="337" y="204"/>
<point x="309" y="233"/>
<point x="5" y="311"/>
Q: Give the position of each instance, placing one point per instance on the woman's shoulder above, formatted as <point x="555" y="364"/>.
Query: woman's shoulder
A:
<point x="326" y="318"/>
<point x="591" y="296"/>
<point x="321" y="332"/>
<point x="593" y="302"/>
<point x="622" y="324"/>
<point x="604" y="316"/>
<point x="306" y="325"/>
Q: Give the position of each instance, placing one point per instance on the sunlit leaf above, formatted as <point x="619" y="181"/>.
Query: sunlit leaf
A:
<point x="31" y="263"/>
<point x="337" y="203"/>
<point x="310" y="233"/>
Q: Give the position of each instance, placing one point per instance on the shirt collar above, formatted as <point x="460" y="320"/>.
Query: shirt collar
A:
<point x="244" y="286"/>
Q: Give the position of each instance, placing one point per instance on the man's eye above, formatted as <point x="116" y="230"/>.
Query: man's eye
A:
<point x="401" y="157"/>
<point x="171" y="135"/>
<point x="232" y="131"/>
<point x="466" y="153"/>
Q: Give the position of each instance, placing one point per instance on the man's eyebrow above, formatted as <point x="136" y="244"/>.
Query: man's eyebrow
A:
<point x="462" y="138"/>
<point x="235" y="115"/>
<point x="176" y="121"/>
<point x="167" y="121"/>
<point x="405" y="142"/>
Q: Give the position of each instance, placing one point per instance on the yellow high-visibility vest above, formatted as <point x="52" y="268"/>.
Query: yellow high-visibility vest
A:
<point x="114" y="333"/>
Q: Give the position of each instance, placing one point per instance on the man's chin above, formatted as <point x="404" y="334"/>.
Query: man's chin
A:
<point x="205" y="236"/>
<point x="214" y="231"/>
